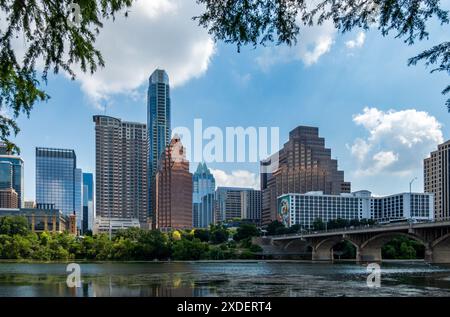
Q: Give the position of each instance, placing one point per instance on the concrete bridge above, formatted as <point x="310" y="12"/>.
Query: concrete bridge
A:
<point x="368" y="241"/>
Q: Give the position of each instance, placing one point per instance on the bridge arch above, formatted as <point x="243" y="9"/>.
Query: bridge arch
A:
<point x="440" y="249"/>
<point x="323" y="250"/>
<point x="371" y="248"/>
<point x="296" y="245"/>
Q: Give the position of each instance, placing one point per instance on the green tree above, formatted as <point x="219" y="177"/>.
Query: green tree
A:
<point x="246" y="231"/>
<point x="54" y="39"/>
<point x="202" y="234"/>
<point x="318" y="224"/>
<point x="257" y="22"/>
<point x="219" y="234"/>
<point x="275" y="227"/>
<point x="12" y="225"/>
<point x="190" y="250"/>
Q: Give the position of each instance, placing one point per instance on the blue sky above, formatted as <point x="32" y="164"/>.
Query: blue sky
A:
<point x="361" y="95"/>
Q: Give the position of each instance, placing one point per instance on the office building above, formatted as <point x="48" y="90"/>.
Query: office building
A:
<point x="121" y="169"/>
<point x="112" y="225"/>
<point x="88" y="202"/>
<point x="304" y="209"/>
<point x="251" y="206"/>
<point x="173" y="189"/>
<point x="8" y="198"/>
<point x="238" y="203"/>
<point x="41" y="220"/>
<point x="304" y="165"/>
<point x="158" y="124"/>
<point x="11" y="175"/>
<point x="204" y="186"/>
<point x="437" y="180"/>
<point x="58" y="181"/>
<point x="29" y="204"/>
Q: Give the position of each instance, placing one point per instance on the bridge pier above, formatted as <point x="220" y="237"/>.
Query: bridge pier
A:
<point x="322" y="254"/>
<point x="369" y="254"/>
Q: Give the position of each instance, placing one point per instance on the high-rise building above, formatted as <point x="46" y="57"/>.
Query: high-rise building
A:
<point x="173" y="189"/>
<point x="437" y="180"/>
<point x="251" y="205"/>
<point x="238" y="203"/>
<point x="304" y="165"/>
<point x="11" y="175"/>
<point x="8" y="198"/>
<point x="121" y="169"/>
<point x="58" y="181"/>
<point x="158" y="125"/>
<point x="88" y="202"/>
<point x="204" y="186"/>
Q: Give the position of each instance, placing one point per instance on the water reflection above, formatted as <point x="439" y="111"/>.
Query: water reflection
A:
<point x="246" y="279"/>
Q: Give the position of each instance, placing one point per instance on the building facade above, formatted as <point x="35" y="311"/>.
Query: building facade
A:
<point x="158" y="125"/>
<point x="304" y="165"/>
<point x="88" y="202"/>
<point x="304" y="209"/>
<point x="173" y="189"/>
<point x="121" y="169"/>
<point x="12" y="175"/>
<point x="8" y="198"/>
<point x="238" y="203"/>
<point x="251" y="206"/>
<point x="204" y="186"/>
<point x="437" y="180"/>
<point x="112" y="225"/>
<point x="58" y="181"/>
<point x="41" y="220"/>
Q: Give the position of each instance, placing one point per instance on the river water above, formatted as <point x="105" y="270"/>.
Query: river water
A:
<point x="246" y="279"/>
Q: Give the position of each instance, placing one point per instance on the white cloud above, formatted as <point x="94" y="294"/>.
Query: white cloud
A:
<point x="313" y="43"/>
<point x="238" y="178"/>
<point x="156" y="34"/>
<point x="398" y="141"/>
<point x="358" y="42"/>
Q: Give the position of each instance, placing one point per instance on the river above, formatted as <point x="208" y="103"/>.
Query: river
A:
<point x="241" y="279"/>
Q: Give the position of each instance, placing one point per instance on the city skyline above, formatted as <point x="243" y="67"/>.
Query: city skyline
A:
<point x="256" y="87"/>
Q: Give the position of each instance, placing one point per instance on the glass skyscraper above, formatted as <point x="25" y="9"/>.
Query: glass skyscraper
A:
<point x="88" y="201"/>
<point x="59" y="181"/>
<point x="204" y="186"/>
<point x="11" y="175"/>
<point x="158" y="125"/>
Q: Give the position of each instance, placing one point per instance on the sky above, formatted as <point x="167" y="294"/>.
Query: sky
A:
<point x="380" y="117"/>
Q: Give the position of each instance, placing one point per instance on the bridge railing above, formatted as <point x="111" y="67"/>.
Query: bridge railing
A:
<point x="352" y="228"/>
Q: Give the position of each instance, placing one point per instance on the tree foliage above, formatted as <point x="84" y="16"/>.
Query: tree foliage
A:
<point x="53" y="41"/>
<point x="258" y="22"/>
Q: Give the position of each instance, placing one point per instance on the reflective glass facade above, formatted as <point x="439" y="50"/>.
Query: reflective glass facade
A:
<point x="88" y="201"/>
<point x="58" y="181"/>
<point x="204" y="186"/>
<point x="158" y="125"/>
<point x="14" y="165"/>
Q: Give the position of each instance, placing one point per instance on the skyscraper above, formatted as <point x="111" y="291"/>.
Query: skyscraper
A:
<point x="11" y="175"/>
<point x="58" y="181"/>
<point x="121" y="169"/>
<point x="88" y="201"/>
<point x="204" y="186"/>
<point x="173" y="194"/>
<point x="158" y="125"/>
<point x="304" y="165"/>
<point x="437" y="180"/>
